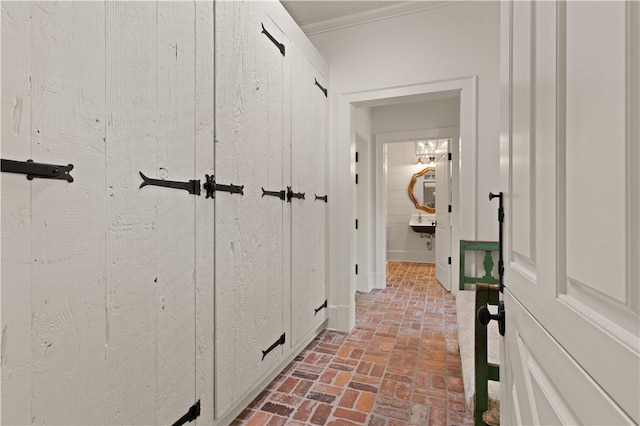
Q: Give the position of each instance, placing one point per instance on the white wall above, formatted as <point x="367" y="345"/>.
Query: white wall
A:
<point x="403" y="244"/>
<point x="452" y="42"/>
<point x="435" y="114"/>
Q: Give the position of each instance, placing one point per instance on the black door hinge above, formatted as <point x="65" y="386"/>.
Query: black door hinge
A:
<point x="323" y="198"/>
<point x="356" y="178"/>
<point x="279" y="194"/>
<point x="449" y="260"/>
<point x="37" y="170"/>
<point x="319" y="308"/>
<point x="450" y="156"/>
<point x="291" y="195"/>
<point x="356" y="156"/>
<point x="280" y="341"/>
<point x="211" y="187"/>
<point x="192" y="186"/>
<point x="450" y="208"/>
<point x="356" y="269"/>
<point x="279" y="45"/>
<point x="325" y="91"/>
<point x="356" y="223"/>
<point x="192" y="414"/>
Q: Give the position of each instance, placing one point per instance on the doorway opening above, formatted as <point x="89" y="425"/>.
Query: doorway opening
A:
<point x="345" y="211"/>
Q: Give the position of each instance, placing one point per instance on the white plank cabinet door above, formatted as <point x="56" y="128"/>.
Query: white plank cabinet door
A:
<point x="250" y="228"/>
<point x="308" y="215"/>
<point x="99" y="275"/>
<point x="570" y="153"/>
<point x="17" y="374"/>
<point x="53" y="235"/>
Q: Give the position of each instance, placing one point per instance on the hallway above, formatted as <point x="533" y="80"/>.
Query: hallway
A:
<point x="399" y="366"/>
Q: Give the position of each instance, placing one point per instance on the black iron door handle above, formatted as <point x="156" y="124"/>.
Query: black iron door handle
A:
<point x="484" y="317"/>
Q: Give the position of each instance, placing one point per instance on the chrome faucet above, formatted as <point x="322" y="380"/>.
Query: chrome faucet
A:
<point x="419" y="217"/>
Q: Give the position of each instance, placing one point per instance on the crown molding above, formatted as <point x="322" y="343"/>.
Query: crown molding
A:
<point x="325" y="25"/>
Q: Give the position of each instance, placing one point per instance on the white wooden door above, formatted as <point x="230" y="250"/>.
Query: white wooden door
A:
<point x="570" y="155"/>
<point x="251" y="230"/>
<point x="308" y="175"/>
<point x="443" y="216"/>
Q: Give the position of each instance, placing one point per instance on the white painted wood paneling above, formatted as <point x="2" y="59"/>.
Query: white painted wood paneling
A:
<point x="15" y="350"/>
<point x="132" y="226"/>
<point x="308" y="246"/>
<point x="249" y="228"/>
<point x="175" y="300"/>
<point x="68" y="233"/>
<point x="204" y="139"/>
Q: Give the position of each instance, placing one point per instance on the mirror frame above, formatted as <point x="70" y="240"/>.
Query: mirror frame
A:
<point x="414" y="179"/>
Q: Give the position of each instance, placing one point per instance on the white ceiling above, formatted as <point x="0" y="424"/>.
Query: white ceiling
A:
<point x="306" y="12"/>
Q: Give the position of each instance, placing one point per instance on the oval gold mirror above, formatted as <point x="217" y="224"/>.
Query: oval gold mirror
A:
<point x="422" y="189"/>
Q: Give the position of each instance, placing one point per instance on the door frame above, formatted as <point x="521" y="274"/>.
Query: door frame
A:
<point x="381" y="188"/>
<point x="342" y="212"/>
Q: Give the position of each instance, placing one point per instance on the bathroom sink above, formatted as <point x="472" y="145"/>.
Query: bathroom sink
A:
<point x="423" y="222"/>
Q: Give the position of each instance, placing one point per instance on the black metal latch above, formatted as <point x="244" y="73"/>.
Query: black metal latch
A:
<point x="291" y="195"/>
<point x="280" y="341"/>
<point x="279" y="194"/>
<point x="192" y="186"/>
<point x="38" y="170"/>
<point x="323" y="198"/>
<point x="211" y="187"/>
<point x="500" y="237"/>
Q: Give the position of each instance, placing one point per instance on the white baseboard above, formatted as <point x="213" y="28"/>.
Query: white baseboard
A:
<point x="422" y="256"/>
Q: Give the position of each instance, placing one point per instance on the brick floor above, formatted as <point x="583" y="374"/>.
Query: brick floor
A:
<point x="399" y="366"/>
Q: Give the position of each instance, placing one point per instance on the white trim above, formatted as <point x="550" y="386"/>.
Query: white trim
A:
<point x="325" y="24"/>
<point x="342" y="211"/>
